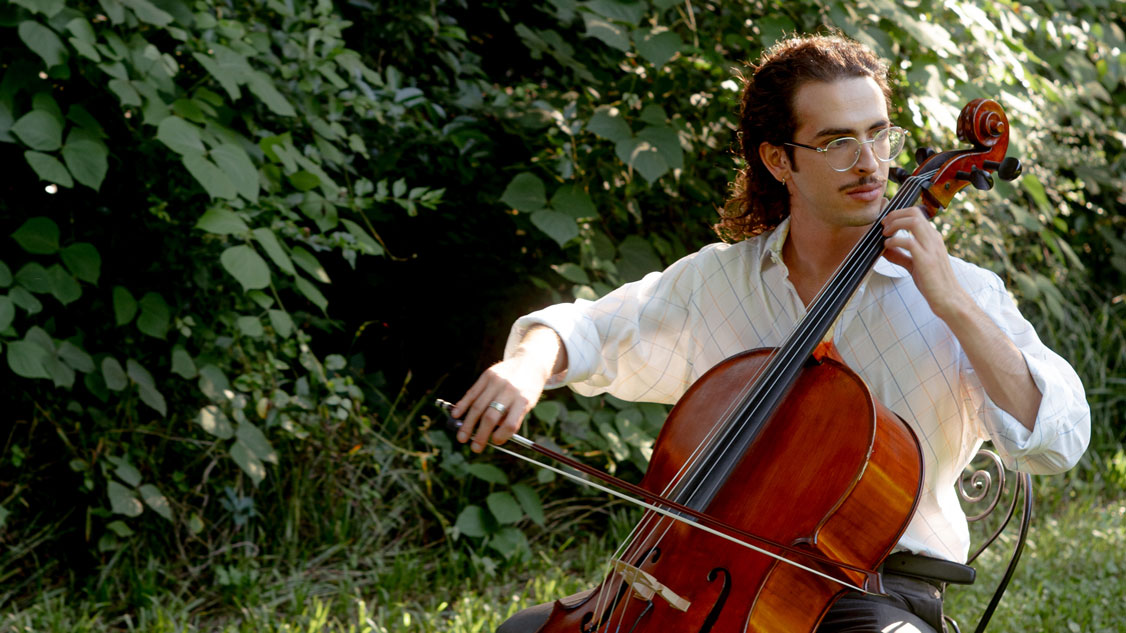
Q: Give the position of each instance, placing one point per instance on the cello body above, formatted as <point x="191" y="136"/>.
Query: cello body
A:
<point x="812" y="479"/>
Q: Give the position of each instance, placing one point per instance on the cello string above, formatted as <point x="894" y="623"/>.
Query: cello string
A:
<point x="823" y="308"/>
<point x="670" y="514"/>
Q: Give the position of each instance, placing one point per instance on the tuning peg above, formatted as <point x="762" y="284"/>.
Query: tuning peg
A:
<point x="1010" y="169"/>
<point x="922" y="154"/>
<point x="898" y="174"/>
<point x="981" y="179"/>
<point x="978" y="177"/>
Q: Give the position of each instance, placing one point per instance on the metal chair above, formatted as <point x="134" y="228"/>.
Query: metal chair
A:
<point x="981" y="481"/>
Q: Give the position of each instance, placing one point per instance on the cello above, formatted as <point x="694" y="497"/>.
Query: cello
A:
<point x="767" y="427"/>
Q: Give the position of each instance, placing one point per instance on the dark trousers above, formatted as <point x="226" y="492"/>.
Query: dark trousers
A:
<point x="912" y="605"/>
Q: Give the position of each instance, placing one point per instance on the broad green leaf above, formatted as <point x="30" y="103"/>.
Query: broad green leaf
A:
<point x="472" y="522"/>
<point x="247" y="266"/>
<point x="547" y="411"/>
<point x="80" y="28"/>
<point x="156" y="500"/>
<point x="40" y="337"/>
<point x="85" y="120"/>
<point x="61" y="374"/>
<point x="263" y="88"/>
<point x="222" y="221"/>
<point x="83" y="261"/>
<point x="248" y="461"/>
<point x="611" y="34"/>
<point x="180" y="136"/>
<point x="152" y="397"/>
<point x="235" y="163"/>
<point x="525" y="193"/>
<point x="371" y="246"/>
<point x="64" y="287"/>
<point x="34" y="277"/>
<point x="113" y="374"/>
<point x="24" y="299"/>
<point x="504" y="507"/>
<point x="281" y="322"/>
<point x="123" y="500"/>
<point x="489" y="473"/>
<point x="5" y="275"/>
<point x="48" y="168"/>
<point x="309" y="263"/>
<point x="76" y="357"/>
<point x="213" y="383"/>
<point x="126" y="472"/>
<point x="148" y="12"/>
<point x="182" y="363"/>
<point x="138" y="373"/>
<point x="38" y="235"/>
<point x="215" y="422"/>
<point x="256" y="441"/>
<point x="667" y="143"/>
<point x="44" y="42"/>
<point x="509" y="541"/>
<point x="39" y="131"/>
<point x="124" y="305"/>
<point x="574" y="202"/>
<point x="642" y="156"/>
<point x="27" y="359"/>
<point x="637" y="258"/>
<point x="572" y="273"/>
<point x="530" y="501"/>
<point x="304" y="180"/>
<point x="310" y="291"/>
<point x="263" y="300"/>
<point x="227" y="77"/>
<point x="47" y="7"/>
<point x="269" y="243"/>
<point x="250" y="326"/>
<point x="119" y="528"/>
<point x="126" y="93"/>
<point x="114" y="10"/>
<point x="630" y="12"/>
<point x="657" y="47"/>
<point x="86" y="158"/>
<point x="214" y="181"/>
<point x="155" y="315"/>
<point x="608" y="123"/>
<point x="7" y="312"/>
<point x="557" y="226"/>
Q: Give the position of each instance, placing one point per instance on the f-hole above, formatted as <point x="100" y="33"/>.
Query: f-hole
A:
<point x="713" y="615"/>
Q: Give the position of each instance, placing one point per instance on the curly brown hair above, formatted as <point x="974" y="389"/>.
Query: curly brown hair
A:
<point x="757" y="201"/>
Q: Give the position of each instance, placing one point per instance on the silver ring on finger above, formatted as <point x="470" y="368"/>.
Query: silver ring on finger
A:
<point x="498" y="406"/>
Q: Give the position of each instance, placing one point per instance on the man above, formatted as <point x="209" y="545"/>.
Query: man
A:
<point x="937" y="340"/>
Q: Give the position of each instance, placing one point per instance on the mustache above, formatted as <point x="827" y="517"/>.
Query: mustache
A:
<point x="867" y="180"/>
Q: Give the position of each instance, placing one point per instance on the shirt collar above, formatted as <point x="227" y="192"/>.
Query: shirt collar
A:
<point x="773" y="253"/>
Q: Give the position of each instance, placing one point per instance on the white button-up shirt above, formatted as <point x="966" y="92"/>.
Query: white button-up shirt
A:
<point x="651" y="339"/>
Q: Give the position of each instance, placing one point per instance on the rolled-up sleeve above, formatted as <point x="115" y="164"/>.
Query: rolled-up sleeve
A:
<point x="634" y="343"/>
<point x="1062" y="429"/>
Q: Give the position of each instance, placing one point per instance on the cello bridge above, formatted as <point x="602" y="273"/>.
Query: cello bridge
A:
<point x="645" y="585"/>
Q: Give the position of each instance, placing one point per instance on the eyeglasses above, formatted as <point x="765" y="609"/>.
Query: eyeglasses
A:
<point x="842" y="153"/>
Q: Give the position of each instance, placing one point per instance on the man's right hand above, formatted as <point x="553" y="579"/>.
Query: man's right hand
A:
<point x="496" y="404"/>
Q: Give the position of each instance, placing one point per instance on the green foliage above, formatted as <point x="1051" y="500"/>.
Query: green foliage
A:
<point x="200" y="352"/>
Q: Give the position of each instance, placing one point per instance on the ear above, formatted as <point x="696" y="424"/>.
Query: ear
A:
<point x="775" y="159"/>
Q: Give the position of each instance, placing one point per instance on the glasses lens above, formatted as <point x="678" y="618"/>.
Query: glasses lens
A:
<point x="888" y="142"/>
<point x="842" y="153"/>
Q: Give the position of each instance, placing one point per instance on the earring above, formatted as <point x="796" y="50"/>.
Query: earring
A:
<point x="783" y="182"/>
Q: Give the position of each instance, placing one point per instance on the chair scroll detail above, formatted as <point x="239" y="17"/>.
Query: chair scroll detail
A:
<point x="985" y="487"/>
